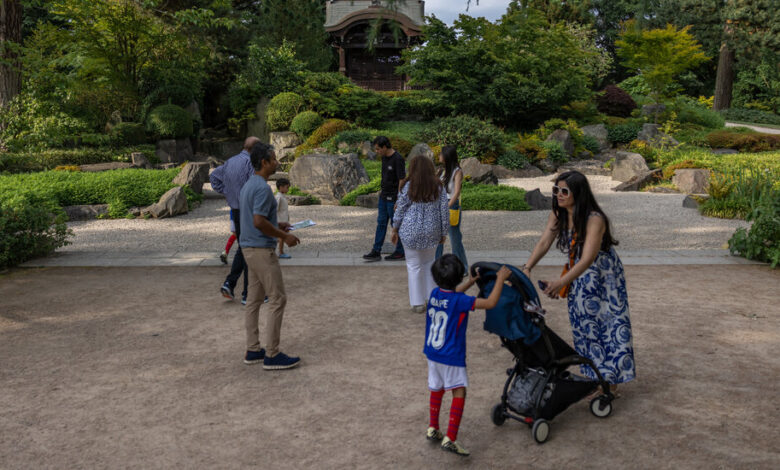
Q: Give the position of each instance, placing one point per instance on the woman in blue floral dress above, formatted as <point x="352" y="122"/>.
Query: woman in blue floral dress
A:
<point x="592" y="281"/>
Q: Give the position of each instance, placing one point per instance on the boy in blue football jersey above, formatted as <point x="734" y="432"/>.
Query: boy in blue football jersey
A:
<point x="445" y="342"/>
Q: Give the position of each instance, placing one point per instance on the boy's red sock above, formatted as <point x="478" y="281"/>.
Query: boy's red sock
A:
<point x="456" y="411"/>
<point x="230" y="242"/>
<point x="435" y="406"/>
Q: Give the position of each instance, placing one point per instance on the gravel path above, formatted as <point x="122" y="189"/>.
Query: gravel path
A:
<point x="641" y="221"/>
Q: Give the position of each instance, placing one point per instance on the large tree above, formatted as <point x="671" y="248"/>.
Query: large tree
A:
<point x="10" y="40"/>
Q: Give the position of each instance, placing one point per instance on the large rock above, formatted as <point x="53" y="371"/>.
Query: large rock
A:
<point x="420" y="149"/>
<point x="627" y="165"/>
<point x="528" y="171"/>
<point x="691" y="181"/>
<point x="564" y="137"/>
<point x="221" y="149"/>
<point x="299" y="200"/>
<point x="640" y="181"/>
<point x="172" y="203"/>
<point x="692" y="201"/>
<point x="285" y="154"/>
<point x="174" y="150"/>
<point x="283" y="140"/>
<point x="86" y="212"/>
<point x="653" y="110"/>
<point x="184" y="151"/>
<point x="478" y="172"/>
<point x="329" y="177"/>
<point x="370" y="201"/>
<point x="546" y="165"/>
<point x="139" y="160"/>
<point x="366" y="150"/>
<point x="193" y="175"/>
<point x="586" y="167"/>
<point x="537" y="200"/>
<point x="598" y="132"/>
<point x="653" y="136"/>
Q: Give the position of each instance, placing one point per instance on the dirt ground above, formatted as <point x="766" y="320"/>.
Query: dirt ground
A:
<point x="142" y="368"/>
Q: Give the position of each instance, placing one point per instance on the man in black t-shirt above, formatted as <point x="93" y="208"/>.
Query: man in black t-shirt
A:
<point x="393" y="171"/>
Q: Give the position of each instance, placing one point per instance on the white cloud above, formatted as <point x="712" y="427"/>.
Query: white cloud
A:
<point x="448" y="10"/>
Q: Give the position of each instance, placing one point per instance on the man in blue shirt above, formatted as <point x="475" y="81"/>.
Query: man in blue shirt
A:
<point x="258" y="240"/>
<point x="228" y="179"/>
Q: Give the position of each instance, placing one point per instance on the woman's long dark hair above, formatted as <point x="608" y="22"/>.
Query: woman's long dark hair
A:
<point x="450" y="156"/>
<point x="424" y="186"/>
<point x="584" y="205"/>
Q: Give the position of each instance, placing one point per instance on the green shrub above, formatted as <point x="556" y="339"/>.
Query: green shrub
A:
<point x="745" y="142"/>
<point x="623" y="133"/>
<point x="372" y="186"/>
<point x="762" y="241"/>
<point x="613" y="101"/>
<point x="582" y="111"/>
<point x="591" y="144"/>
<point x="52" y="158"/>
<point x="402" y="146"/>
<point x="328" y="129"/>
<point x="364" y="107"/>
<point x="513" y="159"/>
<point x="128" y="133"/>
<point x="296" y="191"/>
<point x="555" y="151"/>
<point x="751" y="115"/>
<point x="352" y="138"/>
<point x="736" y="192"/>
<point x="282" y="109"/>
<point x="691" y="112"/>
<point x="635" y="86"/>
<point x="27" y="123"/>
<point x="30" y="227"/>
<point x="471" y="136"/>
<point x="531" y="147"/>
<point x="305" y="123"/>
<point x="429" y="104"/>
<point x="169" y="122"/>
<point x="488" y="197"/>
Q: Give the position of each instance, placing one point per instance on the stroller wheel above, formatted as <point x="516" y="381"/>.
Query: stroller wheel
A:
<point x="599" y="409"/>
<point x="497" y="415"/>
<point x="541" y="431"/>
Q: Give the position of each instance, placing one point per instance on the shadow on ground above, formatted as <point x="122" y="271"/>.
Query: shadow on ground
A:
<point x="141" y="367"/>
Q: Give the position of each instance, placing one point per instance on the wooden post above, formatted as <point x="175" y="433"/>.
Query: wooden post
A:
<point x="342" y="61"/>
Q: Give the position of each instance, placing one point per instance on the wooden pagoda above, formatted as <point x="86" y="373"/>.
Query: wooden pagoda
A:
<point x="348" y="23"/>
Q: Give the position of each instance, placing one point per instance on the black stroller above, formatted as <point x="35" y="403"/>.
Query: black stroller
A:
<point x="538" y="387"/>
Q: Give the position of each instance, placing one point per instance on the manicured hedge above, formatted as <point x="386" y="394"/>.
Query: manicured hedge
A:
<point x="169" y="122"/>
<point x="488" y="197"/>
<point x="49" y="159"/>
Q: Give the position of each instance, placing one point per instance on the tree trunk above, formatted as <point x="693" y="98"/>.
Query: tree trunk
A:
<point x="725" y="78"/>
<point x="10" y="37"/>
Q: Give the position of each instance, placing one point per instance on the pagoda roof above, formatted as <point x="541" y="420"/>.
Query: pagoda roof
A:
<point x="340" y="14"/>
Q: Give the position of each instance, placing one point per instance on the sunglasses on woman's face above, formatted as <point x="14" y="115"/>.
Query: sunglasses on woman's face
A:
<point x="564" y="191"/>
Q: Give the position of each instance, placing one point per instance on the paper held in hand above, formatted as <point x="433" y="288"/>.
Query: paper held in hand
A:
<point x="302" y="224"/>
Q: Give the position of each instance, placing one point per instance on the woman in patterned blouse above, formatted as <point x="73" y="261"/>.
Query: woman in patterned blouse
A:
<point x="421" y="220"/>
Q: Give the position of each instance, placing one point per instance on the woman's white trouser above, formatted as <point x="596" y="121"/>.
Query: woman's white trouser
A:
<point x="418" y="268"/>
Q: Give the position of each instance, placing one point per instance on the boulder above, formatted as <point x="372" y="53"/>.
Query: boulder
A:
<point x="598" y="132"/>
<point x="478" y="172"/>
<point x="221" y="149"/>
<point x="528" y="171"/>
<point x="193" y="175"/>
<point x="283" y="140"/>
<point x="655" y="137"/>
<point x="214" y="162"/>
<point x="627" y="165"/>
<point x="370" y="201"/>
<point x="174" y="150"/>
<point x="342" y="146"/>
<point x="298" y="200"/>
<point x="546" y="165"/>
<point x="640" y="181"/>
<point x="86" y="212"/>
<point x="285" y="154"/>
<point x="184" y="151"/>
<point x="94" y="167"/>
<point x="692" y="201"/>
<point x="653" y="110"/>
<point x="367" y="150"/>
<point x="691" y="180"/>
<point x="139" y="160"/>
<point x="564" y="137"/>
<point x="586" y="167"/>
<point x="328" y="177"/>
<point x="537" y="200"/>
<point x="420" y="149"/>
<point x="172" y="203"/>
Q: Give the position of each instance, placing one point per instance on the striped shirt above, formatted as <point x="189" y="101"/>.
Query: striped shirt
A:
<point x="228" y="179"/>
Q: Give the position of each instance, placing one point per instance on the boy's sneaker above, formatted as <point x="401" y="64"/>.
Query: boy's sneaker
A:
<point x="418" y="308"/>
<point x="280" y="361"/>
<point x="434" y="434"/>
<point x="223" y="257"/>
<point x="253" y="357"/>
<point x="373" y="256"/>
<point x="454" y="447"/>
<point x="226" y="291"/>
<point x="395" y="257"/>
<point x="285" y="256"/>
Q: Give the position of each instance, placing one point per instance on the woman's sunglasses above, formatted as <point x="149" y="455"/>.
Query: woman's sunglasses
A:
<point x="564" y="191"/>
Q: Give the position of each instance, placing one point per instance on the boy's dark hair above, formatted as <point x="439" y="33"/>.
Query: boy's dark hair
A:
<point x="448" y="271"/>
<point x="382" y="141"/>
<point x="258" y="153"/>
<point x="282" y="182"/>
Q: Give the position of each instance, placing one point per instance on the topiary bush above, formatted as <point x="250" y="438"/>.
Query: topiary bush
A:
<point x="489" y="197"/>
<point x="169" y="122"/>
<point x="615" y="102"/>
<point x="128" y="133"/>
<point x="623" y="133"/>
<point x="282" y="109"/>
<point x="472" y="137"/>
<point x="305" y="123"/>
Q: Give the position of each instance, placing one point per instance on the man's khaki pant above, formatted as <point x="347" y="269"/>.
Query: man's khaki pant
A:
<point x="265" y="279"/>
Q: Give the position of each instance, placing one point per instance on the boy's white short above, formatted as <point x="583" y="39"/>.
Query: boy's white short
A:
<point x="444" y="377"/>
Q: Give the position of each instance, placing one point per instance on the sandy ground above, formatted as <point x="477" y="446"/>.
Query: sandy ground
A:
<point x="142" y="368"/>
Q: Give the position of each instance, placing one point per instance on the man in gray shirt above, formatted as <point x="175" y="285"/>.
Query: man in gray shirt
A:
<point x="259" y="235"/>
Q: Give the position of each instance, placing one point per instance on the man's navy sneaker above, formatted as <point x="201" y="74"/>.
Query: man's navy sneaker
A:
<point x="280" y="361"/>
<point x="372" y="256"/>
<point x="395" y="257"/>
<point x="226" y="291"/>
<point x="253" y="357"/>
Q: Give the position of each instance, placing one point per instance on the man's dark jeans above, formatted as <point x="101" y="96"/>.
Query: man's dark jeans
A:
<point x="385" y="215"/>
<point x="239" y="265"/>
